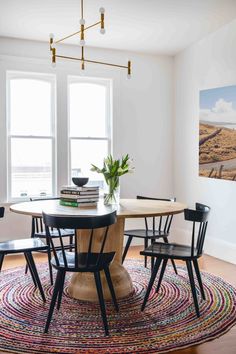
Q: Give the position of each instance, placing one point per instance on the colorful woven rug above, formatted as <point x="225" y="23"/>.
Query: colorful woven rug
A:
<point x="168" y="322"/>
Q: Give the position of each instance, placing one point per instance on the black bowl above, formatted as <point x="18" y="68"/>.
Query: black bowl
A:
<point x="80" y="181"/>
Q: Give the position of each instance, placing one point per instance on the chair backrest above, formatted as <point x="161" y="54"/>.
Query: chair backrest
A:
<point x="164" y="222"/>
<point x="2" y="209"/>
<point x="200" y="216"/>
<point x="37" y="223"/>
<point x="82" y="223"/>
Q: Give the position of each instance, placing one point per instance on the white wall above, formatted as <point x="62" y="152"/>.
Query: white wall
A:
<point x="207" y="64"/>
<point x="142" y="116"/>
<point x="143" y="125"/>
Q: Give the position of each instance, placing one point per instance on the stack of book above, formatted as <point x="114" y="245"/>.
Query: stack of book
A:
<point x="79" y="196"/>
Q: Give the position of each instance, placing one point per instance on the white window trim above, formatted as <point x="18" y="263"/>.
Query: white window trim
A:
<point x="34" y="76"/>
<point x="107" y="83"/>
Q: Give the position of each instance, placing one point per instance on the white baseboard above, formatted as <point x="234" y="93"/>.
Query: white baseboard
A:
<point x="214" y="247"/>
<point x="221" y="249"/>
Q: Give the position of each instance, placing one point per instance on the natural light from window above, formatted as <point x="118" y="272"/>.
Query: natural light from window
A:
<point x="89" y="109"/>
<point x="30" y="137"/>
<point x="34" y="164"/>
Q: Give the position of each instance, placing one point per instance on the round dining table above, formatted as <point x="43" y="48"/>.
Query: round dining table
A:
<point x="81" y="285"/>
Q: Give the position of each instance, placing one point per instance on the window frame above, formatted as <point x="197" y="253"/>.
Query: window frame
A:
<point x="51" y="79"/>
<point x="107" y="83"/>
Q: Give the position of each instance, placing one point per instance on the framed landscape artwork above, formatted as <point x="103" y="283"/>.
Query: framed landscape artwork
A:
<point x="217" y="133"/>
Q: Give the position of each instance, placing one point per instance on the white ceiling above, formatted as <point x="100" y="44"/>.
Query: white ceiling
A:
<point x="151" y="26"/>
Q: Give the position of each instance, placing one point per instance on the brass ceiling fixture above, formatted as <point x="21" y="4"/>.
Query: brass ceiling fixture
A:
<point x="81" y="32"/>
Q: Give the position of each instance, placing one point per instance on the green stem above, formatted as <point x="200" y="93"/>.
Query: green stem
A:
<point x="113" y="184"/>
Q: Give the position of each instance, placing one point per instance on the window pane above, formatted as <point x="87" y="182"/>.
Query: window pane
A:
<point x="30" y="107"/>
<point x="87" y="152"/>
<point x="87" y="110"/>
<point x="31" y="164"/>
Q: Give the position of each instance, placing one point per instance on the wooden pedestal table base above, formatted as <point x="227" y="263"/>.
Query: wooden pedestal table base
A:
<point x="82" y="285"/>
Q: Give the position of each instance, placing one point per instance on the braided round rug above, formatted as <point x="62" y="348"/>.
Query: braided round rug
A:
<point x="168" y="322"/>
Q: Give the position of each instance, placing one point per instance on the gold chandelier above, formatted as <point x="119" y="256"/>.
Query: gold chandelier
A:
<point x="81" y="32"/>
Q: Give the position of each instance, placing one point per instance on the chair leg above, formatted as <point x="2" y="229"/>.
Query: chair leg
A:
<point x="61" y="287"/>
<point x="26" y="271"/>
<point x="151" y="281"/>
<point x="71" y="242"/>
<point x="36" y="276"/>
<point x="199" y="278"/>
<point x="31" y="271"/>
<point x="172" y="261"/>
<point x="54" y="298"/>
<point x="192" y="284"/>
<point x="174" y="266"/>
<point x="152" y="258"/>
<point x="1" y="260"/>
<point x="163" y="268"/>
<point x="26" y="268"/>
<point x="101" y="301"/>
<point x="126" y="248"/>
<point x="50" y="267"/>
<point x="145" y="246"/>
<point x="49" y="260"/>
<point x="110" y="284"/>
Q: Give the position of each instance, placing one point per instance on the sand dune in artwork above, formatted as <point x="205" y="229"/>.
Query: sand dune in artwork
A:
<point x="217" y="151"/>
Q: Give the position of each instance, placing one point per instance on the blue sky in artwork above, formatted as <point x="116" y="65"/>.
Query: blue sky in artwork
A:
<point x="208" y="98"/>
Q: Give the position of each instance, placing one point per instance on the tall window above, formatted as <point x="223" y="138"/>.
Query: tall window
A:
<point x="31" y="135"/>
<point x="89" y="125"/>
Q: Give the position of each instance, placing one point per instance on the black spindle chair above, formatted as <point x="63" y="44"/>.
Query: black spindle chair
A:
<point x="160" y="229"/>
<point x="90" y="261"/>
<point x="190" y="254"/>
<point x="26" y="246"/>
<point x="38" y="230"/>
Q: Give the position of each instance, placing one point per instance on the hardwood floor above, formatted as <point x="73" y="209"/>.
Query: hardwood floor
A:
<point x="226" y="344"/>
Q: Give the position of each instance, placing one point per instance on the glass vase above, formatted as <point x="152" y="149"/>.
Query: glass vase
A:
<point x="112" y="194"/>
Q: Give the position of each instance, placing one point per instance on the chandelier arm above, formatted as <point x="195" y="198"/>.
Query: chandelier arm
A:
<point x="91" y="61"/>
<point x="82" y="43"/>
<point x="64" y="38"/>
<point x="78" y="32"/>
<point x="95" y="24"/>
<point x="82" y="9"/>
<point x="103" y="63"/>
<point x="82" y="57"/>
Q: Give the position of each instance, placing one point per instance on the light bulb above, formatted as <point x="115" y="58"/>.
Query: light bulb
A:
<point x="51" y="36"/>
<point x="53" y="65"/>
<point x="102" y="10"/>
<point x="82" y="21"/>
<point x="102" y="30"/>
<point x="82" y="42"/>
<point x="128" y="76"/>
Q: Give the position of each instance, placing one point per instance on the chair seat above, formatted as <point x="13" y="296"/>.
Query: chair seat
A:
<point x="169" y="250"/>
<point x="143" y="233"/>
<point x="22" y="245"/>
<point x="70" y="247"/>
<point x="85" y="262"/>
<point x="55" y="233"/>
